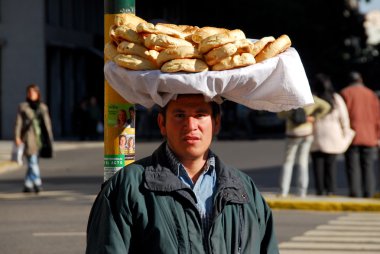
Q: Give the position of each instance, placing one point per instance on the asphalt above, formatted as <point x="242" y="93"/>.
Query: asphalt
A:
<point x="310" y="202"/>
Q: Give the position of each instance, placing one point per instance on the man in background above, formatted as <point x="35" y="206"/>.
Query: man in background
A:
<point x="364" y="110"/>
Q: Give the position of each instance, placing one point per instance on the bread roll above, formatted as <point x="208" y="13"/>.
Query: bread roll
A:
<point x="187" y="65"/>
<point x="177" y="53"/>
<point x="243" y="46"/>
<point x="159" y="29"/>
<point x="234" y="61"/>
<point x="130" y="48"/>
<point x="218" y="40"/>
<point x="128" y="34"/>
<point x="134" y="62"/>
<point x="218" y="54"/>
<point x="272" y="49"/>
<point x="110" y="51"/>
<point x="112" y="34"/>
<point x="161" y="41"/>
<point x="131" y="19"/>
<point x="205" y="32"/>
<point x="260" y="44"/>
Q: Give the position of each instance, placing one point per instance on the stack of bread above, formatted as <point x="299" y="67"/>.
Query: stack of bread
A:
<point x="138" y="45"/>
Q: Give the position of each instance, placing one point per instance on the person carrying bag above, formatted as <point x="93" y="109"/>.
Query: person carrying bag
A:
<point x="33" y="130"/>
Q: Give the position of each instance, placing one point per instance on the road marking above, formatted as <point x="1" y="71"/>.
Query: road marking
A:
<point x="326" y="252"/>
<point x="359" y="223"/>
<point x="337" y="239"/>
<point x="43" y="234"/>
<point x="352" y="233"/>
<point x="367" y="217"/>
<point x="347" y="228"/>
<point x="329" y="246"/>
<point x="62" y="195"/>
<point x="341" y="233"/>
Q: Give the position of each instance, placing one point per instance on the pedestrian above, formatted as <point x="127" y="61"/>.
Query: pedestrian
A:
<point x="82" y="120"/>
<point x="364" y="110"/>
<point x="332" y="136"/>
<point x="299" y="136"/>
<point x="182" y="198"/>
<point x="33" y="129"/>
<point x="95" y="118"/>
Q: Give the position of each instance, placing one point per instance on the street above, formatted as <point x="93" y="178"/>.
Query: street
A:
<point x="55" y="220"/>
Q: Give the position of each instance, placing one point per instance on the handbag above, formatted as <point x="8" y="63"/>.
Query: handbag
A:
<point x="46" y="150"/>
<point x="17" y="153"/>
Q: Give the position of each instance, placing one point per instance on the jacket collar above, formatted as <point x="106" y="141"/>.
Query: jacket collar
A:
<point x="159" y="177"/>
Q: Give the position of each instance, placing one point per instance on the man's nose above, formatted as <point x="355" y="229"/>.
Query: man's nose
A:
<point x="191" y="122"/>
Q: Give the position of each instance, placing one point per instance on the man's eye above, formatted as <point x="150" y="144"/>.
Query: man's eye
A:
<point x="179" y="115"/>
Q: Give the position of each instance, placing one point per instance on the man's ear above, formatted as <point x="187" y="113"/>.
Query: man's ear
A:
<point x="217" y="126"/>
<point x="161" y="124"/>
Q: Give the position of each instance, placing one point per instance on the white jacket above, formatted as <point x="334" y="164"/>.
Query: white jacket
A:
<point x="332" y="133"/>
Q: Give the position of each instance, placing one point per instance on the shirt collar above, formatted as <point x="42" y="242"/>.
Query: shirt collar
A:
<point x="176" y="164"/>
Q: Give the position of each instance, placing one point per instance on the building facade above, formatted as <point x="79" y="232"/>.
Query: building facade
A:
<point x="56" y="44"/>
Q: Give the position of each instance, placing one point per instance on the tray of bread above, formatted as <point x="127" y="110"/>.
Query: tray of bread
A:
<point x="150" y="64"/>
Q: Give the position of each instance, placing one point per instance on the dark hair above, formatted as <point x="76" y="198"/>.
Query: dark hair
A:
<point x="354" y="77"/>
<point x="323" y="88"/>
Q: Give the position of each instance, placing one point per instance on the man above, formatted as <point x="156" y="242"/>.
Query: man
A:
<point x="182" y="198"/>
<point x="364" y="112"/>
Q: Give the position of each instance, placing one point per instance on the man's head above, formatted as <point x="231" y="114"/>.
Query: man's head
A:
<point x="189" y="124"/>
<point x="354" y="77"/>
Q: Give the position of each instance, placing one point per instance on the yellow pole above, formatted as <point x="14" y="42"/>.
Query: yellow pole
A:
<point x="116" y="153"/>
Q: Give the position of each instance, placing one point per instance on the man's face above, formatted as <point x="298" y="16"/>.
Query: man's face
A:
<point x="189" y="126"/>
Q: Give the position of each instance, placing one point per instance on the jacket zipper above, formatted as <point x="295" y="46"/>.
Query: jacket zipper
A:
<point x="241" y="219"/>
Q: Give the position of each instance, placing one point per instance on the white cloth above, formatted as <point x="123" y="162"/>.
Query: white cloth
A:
<point x="276" y="84"/>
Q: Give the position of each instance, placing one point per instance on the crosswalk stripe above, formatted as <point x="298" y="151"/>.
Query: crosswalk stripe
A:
<point x="341" y="233"/>
<point x="374" y="215"/>
<point x="328" y="246"/>
<point x="350" y="234"/>
<point x="43" y="234"/>
<point x="347" y="228"/>
<point x="326" y="252"/>
<point x="345" y="222"/>
<point x="337" y="239"/>
<point x="362" y="218"/>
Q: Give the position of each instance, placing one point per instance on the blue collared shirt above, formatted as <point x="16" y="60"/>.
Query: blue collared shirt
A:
<point x="204" y="187"/>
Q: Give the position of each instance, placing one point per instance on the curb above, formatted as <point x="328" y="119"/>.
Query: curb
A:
<point x="337" y="204"/>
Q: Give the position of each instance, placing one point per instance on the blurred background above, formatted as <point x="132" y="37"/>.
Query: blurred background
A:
<point x="58" y="44"/>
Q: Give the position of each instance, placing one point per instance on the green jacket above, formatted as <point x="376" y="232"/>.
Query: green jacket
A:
<point x="145" y="208"/>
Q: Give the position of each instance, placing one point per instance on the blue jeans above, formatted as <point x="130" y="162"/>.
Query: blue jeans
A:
<point x="32" y="177"/>
<point x="297" y="153"/>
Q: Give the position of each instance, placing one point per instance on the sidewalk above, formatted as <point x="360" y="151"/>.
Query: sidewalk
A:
<point x="310" y="202"/>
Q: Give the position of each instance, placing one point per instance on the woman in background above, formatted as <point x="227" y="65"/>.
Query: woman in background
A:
<point x="332" y="136"/>
<point x="33" y="129"/>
